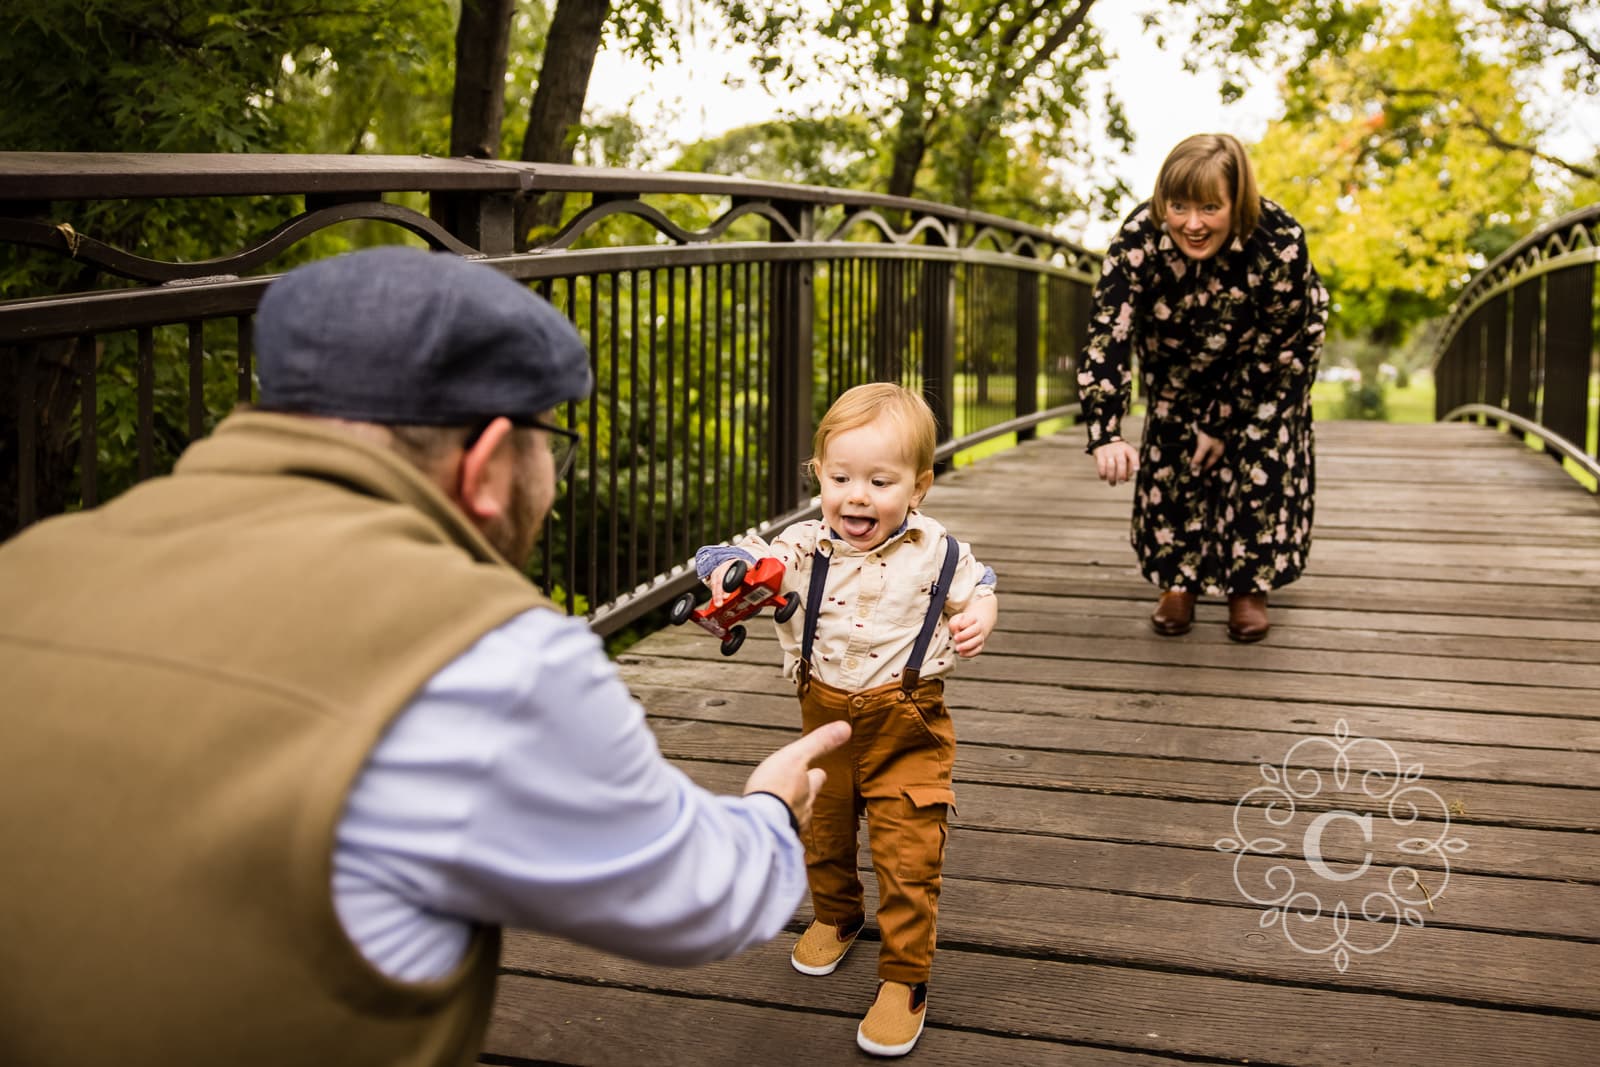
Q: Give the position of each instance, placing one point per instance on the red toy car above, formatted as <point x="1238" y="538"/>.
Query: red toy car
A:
<point x="750" y="589"/>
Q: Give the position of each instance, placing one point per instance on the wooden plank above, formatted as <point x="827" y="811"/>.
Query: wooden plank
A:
<point x="1186" y="681"/>
<point x="1285" y="615"/>
<point x="1094" y="619"/>
<point x="544" y="1020"/>
<point x="1121" y="1008"/>
<point x="1482" y="903"/>
<point x="1343" y="559"/>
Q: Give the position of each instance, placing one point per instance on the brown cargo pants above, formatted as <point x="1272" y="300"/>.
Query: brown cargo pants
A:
<point x="896" y="769"/>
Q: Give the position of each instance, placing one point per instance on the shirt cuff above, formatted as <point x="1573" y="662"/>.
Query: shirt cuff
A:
<point x="709" y="558"/>
<point x="788" y="812"/>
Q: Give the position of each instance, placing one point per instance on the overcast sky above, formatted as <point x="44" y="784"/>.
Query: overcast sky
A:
<point x="691" y="99"/>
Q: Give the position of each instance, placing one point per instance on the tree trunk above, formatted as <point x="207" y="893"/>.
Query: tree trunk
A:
<point x="911" y="132"/>
<point x="479" y="103"/>
<point x="973" y="139"/>
<point x="569" y="52"/>
<point x="910" y="141"/>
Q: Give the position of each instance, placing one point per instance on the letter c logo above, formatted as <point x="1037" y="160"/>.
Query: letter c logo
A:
<point x="1313" y="844"/>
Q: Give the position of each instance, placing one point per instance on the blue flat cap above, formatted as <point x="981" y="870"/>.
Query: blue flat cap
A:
<point x="406" y="337"/>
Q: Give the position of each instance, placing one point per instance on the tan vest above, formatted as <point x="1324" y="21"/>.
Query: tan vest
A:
<point x="190" y="679"/>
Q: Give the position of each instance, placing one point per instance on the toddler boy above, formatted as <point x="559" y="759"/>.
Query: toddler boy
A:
<point x="890" y="600"/>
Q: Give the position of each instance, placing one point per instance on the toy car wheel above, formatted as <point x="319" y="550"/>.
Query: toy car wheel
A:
<point x="681" y="609"/>
<point x="734" y="578"/>
<point x="786" y="610"/>
<point x="731" y="643"/>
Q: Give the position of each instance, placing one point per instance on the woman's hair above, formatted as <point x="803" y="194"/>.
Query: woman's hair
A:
<point x="1201" y="166"/>
<point x="868" y="403"/>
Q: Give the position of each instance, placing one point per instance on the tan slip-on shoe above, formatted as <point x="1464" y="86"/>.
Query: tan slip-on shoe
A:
<point x="822" y="946"/>
<point x="1247" y="617"/>
<point x="1174" y="615"/>
<point x="895" y="1020"/>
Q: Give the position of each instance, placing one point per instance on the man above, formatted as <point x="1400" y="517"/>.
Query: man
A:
<point x="285" y="738"/>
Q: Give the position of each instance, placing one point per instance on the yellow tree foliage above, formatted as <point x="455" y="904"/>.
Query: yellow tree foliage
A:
<point x="1382" y="156"/>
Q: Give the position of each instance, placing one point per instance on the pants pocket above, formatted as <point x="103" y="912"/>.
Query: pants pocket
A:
<point x="920" y="855"/>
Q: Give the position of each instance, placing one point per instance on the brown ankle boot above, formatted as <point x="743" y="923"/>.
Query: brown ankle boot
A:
<point x="1247" y="617"/>
<point x="1174" y="614"/>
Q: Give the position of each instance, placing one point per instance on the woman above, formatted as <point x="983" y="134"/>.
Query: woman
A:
<point x="1211" y="288"/>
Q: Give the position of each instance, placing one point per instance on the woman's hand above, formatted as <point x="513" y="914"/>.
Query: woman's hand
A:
<point x="1116" y="461"/>
<point x="1207" y="450"/>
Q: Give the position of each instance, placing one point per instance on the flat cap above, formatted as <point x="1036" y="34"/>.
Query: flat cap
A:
<point x="401" y="336"/>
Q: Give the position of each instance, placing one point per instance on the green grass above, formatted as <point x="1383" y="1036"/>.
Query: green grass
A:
<point x="1414" y="403"/>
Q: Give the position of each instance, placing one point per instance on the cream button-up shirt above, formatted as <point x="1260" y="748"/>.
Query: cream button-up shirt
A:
<point x="874" y="602"/>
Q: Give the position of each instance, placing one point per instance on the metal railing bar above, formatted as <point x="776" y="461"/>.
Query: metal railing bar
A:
<point x="591" y="549"/>
<point x="651" y="438"/>
<point x="1553" y="441"/>
<point x="27" y="436"/>
<point x="197" y="380"/>
<point x="83" y="358"/>
<point x="145" y="391"/>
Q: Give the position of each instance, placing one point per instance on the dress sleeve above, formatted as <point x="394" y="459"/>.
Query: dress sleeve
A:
<point x="1105" y="373"/>
<point x="1283" y="349"/>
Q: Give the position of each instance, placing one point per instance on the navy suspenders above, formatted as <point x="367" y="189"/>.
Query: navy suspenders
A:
<point x="936" y="599"/>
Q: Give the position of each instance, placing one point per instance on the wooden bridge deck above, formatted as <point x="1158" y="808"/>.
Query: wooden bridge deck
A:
<point x="1452" y="611"/>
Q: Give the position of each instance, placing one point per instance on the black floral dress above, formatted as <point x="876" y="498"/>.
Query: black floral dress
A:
<point x="1230" y="345"/>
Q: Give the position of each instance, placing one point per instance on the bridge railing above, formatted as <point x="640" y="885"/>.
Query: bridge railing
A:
<point x="1519" y="347"/>
<point x="722" y="316"/>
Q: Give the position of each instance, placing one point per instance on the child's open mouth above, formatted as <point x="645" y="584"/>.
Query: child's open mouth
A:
<point x="856" y="526"/>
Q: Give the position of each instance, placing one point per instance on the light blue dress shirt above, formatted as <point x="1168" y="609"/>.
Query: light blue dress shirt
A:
<point x="522" y="788"/>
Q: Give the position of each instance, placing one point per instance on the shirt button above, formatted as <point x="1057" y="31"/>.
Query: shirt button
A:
<point x="851" y="664"/>
<point x="862" y="613"/>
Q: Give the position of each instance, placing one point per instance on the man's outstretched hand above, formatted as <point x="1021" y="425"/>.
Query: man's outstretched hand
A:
<point x="788" y="773"/>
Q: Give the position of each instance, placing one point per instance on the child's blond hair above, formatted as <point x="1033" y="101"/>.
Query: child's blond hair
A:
<point x="1204" y="165"/>
<point x="864" y="404"/>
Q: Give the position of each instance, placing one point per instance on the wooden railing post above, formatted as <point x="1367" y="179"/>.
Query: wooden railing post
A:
<point x="1027" y="362"/>
<point x="793" y="324"/>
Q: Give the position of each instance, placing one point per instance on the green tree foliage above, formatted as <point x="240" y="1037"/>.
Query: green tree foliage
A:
<point x="960" y="87"/>
<point x="188" y="76"/>
<point x="192" y="76"/>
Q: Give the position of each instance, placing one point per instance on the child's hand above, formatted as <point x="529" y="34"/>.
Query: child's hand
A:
<point x="714" y="582"/>
<point x="968" y="633"/>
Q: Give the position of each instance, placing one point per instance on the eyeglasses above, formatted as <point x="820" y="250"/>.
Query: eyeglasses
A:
<point x="563" y="442"/>
<point x="563" y="446"/>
